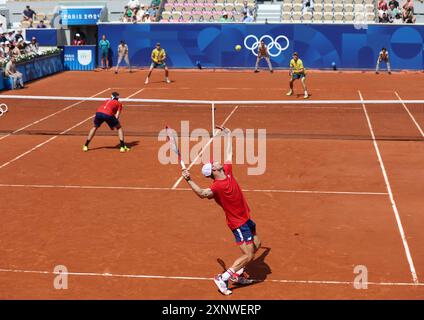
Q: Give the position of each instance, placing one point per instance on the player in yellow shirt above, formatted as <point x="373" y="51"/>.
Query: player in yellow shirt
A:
<point x="158" y="61"/>
<point x="297" y="71"/>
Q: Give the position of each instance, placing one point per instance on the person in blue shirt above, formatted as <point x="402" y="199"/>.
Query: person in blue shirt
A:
<point x="104" y="46"/>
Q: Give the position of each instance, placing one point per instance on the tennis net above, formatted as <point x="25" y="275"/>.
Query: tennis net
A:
<point x="286" y="119"/>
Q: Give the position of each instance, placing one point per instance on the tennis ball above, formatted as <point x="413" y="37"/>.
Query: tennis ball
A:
<point x="238" y="47"/>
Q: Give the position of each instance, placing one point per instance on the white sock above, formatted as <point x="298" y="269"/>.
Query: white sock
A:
<point x="240" y="272"/>
<point x="227" y="274"/>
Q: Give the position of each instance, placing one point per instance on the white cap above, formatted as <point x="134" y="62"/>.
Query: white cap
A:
<point x="77" y="34"/>
<point x="7" y="42"/>
<point x="207" y="169"/>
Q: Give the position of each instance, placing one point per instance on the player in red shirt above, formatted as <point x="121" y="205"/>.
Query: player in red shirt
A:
<point x="108" y="112"/>
<point x="228" y="194"/>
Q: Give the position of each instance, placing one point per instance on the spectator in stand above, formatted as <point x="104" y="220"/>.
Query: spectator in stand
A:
<point x="78" y="40"/>
<point x="28" y="15"/>
<point x="408" y="16"/>
<point x="41" y="25"/>
<point x="246" y="9"/>
<point x="384" y="17"/>
<point x="19" y="36"/>
<point x="104" y="46"/>
<point x="133" y="4"/>
<point x="155" y="3"/>
<point x="2" y="50"/>
<point x="7" y="48"/>
<point x="33" y="45"/>
<point x="127" y="17"/>
<point x="382" y="5"/>
<point x="140" y="13"/>
<point x="408" y="4"/>
<point x="11" y="36"/>
<point x="308" y="5"/>
<point x="395" y="3"/>
<point x="1" y="27"/>
<point x="398" y="19"/>
<point x="21" y="46"/>
<point x="11" y="72"/>
<point x="15" y="50"/>
<point x="152" y="10"/>
<point x="392" y="12"/>
<point x="224" y="18"/>
<point x="246" y="18"/>
<point x="3" y="37"/>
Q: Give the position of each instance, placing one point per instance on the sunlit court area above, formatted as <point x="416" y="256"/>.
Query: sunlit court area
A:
<point x="212" y="150"/>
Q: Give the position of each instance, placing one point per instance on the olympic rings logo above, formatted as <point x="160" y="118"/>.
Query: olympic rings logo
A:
<point x="3" y="109"/>
<point x="271" y="44"/>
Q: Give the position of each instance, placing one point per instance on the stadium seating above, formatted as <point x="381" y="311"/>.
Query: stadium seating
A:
<point x="329" y="11"/>
<point x="204" y="10"/>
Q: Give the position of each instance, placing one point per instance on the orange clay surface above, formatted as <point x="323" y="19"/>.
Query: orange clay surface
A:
<point x="114" y="222"/>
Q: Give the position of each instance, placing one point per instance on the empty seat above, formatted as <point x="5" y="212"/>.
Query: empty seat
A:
<point x="348" y="16"/>
<point x="297" y="16"/>
<point x="286" y="16"/>
<point x="318" y="7"/>
<point x="348" y="8"/>
<point x="369" y="7"/>
<point x="297" y="7"/>
<point x="328" y="7"/>
<point x="176" y="15"/>
<point x="370" y="17"/>
<point x="287" y="7"/>
<point x="328" y="16"/>
<point x="338" y="8"/>
<point x="338" y="17"/>
<point x="317" y="16"/>
<point x="166" y="15"/>
<point x="307" y="17"/>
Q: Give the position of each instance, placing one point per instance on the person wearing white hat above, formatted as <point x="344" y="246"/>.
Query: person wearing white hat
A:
<point x="228" y="194"/>
<point x="78" y="41"/>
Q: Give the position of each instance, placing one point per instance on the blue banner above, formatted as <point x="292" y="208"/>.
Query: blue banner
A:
<point x="319" y="45"/>
<point x="79" y="57"/>
<point x="77" y="16"/>
<point x="45" y="37"/>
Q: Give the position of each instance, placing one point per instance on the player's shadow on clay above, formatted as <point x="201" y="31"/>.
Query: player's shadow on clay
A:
<point x="129" y="144"/>
<point x="257" y="270"/>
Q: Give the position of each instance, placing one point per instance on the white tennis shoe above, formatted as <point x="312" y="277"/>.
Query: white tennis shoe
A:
<point x="147" y="81"/>
<point x="222" y="285"/>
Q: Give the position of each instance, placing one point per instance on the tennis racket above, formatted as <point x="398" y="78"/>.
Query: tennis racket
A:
<point x="3" y="109"/>
<point x="171" y="136"/>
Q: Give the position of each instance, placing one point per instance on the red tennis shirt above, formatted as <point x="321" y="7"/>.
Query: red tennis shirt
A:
<point x="110" y="107"/>
<point x="227" y="193"/>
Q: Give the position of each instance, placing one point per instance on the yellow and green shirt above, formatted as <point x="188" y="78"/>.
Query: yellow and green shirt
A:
<point x="297" y="66"/>
<point x="158" y="55"/>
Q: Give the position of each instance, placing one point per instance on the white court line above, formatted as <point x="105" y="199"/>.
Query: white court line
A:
<point x="392" y="200"/>
<point x="135" y="93"/>
<point x="206" y="145"/>
<point x="45" y="142"/>
<point x="50" y="115"/>
<point x="145" y="276"/>
<point x="410" y="114"/>
<point x="187" y="189"/>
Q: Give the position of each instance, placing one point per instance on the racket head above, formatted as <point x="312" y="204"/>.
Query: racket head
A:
<point x="172" y="138"/>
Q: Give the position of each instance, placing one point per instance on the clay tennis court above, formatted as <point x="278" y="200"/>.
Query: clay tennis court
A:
<point x="342" y="187"/>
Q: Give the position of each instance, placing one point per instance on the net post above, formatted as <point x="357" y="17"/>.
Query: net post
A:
<point x="213" y="118"/>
